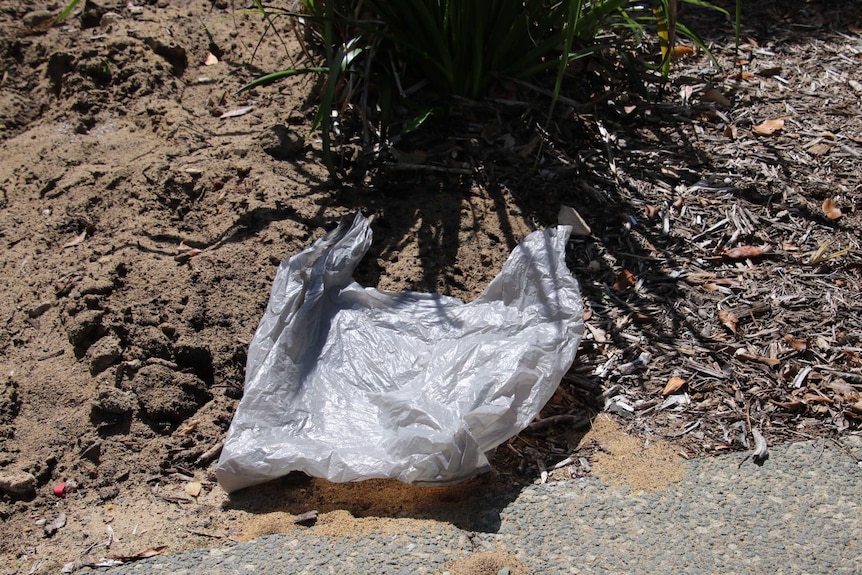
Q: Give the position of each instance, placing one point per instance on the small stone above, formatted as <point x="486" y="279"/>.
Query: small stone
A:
<point x="173" y="53"/>
<point x="84" y="326"/>
<point x="168" y="329"/>
<point x="35" y="312"/>
<point x="21" y="483"/>
<point x="168" y="395"/>
<point x="193" y="488"/>
<point x="58" y="523"/>
<point x="113" y="401"/>
<point x="104" y="353"/>
<point x="280" y="142"/>
<point x="100" y="286"/>
<point x="109" y="19"/>
<point x="108" y="492"/>
<point x="93" y="452"/>
<point x="38" y="18"/>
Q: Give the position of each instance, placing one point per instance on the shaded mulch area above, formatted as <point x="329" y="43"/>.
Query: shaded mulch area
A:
<point x="721" y="282"/>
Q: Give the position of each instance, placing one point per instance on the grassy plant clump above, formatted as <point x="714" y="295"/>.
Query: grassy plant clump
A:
<point x="376" y="53"/>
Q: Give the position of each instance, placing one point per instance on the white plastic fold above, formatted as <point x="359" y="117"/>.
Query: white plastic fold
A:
<point x="348" y="383"/>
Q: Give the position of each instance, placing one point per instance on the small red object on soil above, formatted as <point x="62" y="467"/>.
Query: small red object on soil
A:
<point x="60" y="489"/>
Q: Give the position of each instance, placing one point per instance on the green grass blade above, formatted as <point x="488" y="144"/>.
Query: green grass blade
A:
<point x="572" y="19"/>
<point x="275" y="76"/>
<point x="685" y="31"/>
<point x="66" y="11"/>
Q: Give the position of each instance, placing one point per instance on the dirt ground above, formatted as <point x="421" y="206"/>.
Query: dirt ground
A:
<point x="142" y="224"/>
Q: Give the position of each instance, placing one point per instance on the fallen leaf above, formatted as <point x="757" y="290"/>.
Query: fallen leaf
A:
<point x="186" y="252"/>
<point x="625" y="280"/>
<point x="761" y="451"/>
<point x="193" y="488"/>
<point x="651" y="211"/>
<point x="76" y="240"/>
<point x="768" y="127"/>
<point x="211" y="59"/>
<point x="728" y="319"/>
<point x="743" y="252"/>
<point x="731" y="132"/>
<point x="237" y="112"/>
<point x="814" y="398"/>
<point x="146" y="553"/>
<point x="832" y="211"/>
<point x="674" y="384"/>
<point x="795" y="405"/>
<point x="681" y="51"/>
<point x="797" y="344"/>
<point x="818" y="149"/>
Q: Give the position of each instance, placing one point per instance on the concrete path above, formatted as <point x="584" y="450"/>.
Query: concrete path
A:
<point x="799" y="512"/>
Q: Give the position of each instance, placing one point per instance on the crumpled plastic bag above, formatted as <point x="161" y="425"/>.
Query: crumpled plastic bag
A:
<point x="348" y="383"/>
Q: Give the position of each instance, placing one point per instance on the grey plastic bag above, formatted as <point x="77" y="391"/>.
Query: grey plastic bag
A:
<point x="348" y="383"/>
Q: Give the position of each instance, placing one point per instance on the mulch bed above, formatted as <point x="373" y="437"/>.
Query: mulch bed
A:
<point x="721" y="269"/>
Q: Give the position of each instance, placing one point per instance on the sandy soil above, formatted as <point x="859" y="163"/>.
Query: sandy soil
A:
<point x="141" y="232"/>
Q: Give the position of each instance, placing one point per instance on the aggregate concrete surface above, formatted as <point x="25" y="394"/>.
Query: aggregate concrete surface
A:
<point x="800" y="511"/>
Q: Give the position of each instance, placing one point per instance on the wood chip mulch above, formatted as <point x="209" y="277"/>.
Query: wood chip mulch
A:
<point x="722" y="272"/>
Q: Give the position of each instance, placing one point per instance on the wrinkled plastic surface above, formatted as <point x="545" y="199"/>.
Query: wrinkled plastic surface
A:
<point x="348" y="383"/>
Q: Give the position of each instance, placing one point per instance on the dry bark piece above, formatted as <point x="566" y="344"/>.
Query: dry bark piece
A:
<point x="818" y="149"/>
<point x="743" y="252"/>
<point x="770" y="361"/>
<point x="146" y="553"/>
<point x="77" y="240"/>
<point x="714" y="95"/>
<point x="307" y="518"/>
<point x="569" y="216"/>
